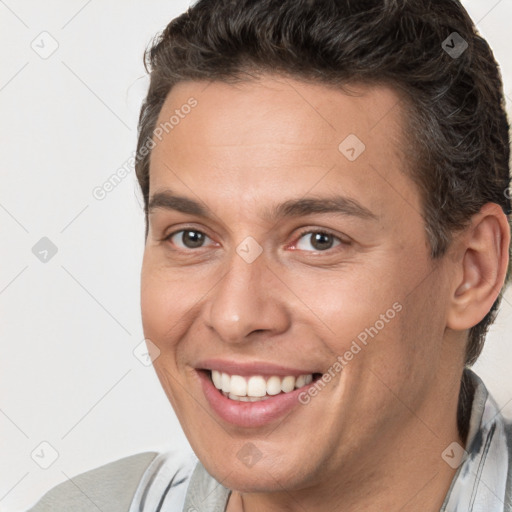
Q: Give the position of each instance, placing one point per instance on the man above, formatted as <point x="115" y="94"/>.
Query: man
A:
<point x="327" y="243"/>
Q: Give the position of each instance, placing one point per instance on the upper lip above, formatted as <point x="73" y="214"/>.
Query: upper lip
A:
<point x="247" y="368"/>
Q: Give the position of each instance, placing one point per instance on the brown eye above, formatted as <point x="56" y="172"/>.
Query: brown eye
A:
<point x="187" y="238"/>
<point x="319" y="240"/>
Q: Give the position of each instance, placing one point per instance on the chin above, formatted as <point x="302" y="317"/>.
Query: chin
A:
<point x="255" y="482"/>
<point x="261" y="476"/>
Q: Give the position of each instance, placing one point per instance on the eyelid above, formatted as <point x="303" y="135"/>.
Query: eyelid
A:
<point x="325" y="231"/>
<point x="186" y="227"/>
<point x="302" y="233"/>
<point x="167" y="238"/>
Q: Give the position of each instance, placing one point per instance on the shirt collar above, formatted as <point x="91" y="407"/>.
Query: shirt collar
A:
<point x="480" y="483"/>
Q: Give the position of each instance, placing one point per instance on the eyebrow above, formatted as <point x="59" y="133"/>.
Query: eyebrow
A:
<point x="337" y="204"/>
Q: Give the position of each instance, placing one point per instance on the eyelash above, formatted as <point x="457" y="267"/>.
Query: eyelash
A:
<point x="322" y="232"/>
<point x="299" y="236"/>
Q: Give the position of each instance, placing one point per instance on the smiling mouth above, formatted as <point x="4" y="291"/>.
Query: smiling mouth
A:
<point x="256" y="388"/>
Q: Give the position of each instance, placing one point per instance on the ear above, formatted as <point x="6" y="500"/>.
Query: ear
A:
<point x="483" y="250"/>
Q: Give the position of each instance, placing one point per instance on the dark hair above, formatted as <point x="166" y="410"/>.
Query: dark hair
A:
<point x="453" y="95"/>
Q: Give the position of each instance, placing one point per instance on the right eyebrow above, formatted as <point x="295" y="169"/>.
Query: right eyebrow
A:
<point x="169" y="201"/>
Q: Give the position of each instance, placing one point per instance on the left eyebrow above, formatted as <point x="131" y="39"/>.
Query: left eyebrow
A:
<point x="292" y="208"/>
<point x="309" y="205"/>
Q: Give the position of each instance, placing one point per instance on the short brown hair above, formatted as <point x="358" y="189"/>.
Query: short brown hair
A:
<point x="458" y="127"/>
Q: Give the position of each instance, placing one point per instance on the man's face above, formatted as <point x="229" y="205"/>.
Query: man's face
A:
<point x="253" y="289"/>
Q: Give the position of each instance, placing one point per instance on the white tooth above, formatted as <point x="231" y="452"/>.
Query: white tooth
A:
<point x="288" y="384"/>
<point x="256" y="387"/>
<point x="231" y="396"/>
<point x="257" y="398"/>
<point x="217" y="379"/>
<point x="226" y="381"/>
<point x="309" y="379"/>
<point x="238" y="385"/>
<point x="274" y="386"/>
<point x="301" y="380"/>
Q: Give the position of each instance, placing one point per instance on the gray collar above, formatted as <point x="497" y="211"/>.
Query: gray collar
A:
<point x="204" y="493"/>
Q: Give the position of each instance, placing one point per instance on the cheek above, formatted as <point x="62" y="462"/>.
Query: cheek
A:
<point x="345" y="304"/>
<point x="170" y="305"/>
<point x="161" y="302"/>
<point x="165" y="292"/>
<point x="404" y="355"/>
<point x="373" y="320"/>
<point x="155" y="308"/>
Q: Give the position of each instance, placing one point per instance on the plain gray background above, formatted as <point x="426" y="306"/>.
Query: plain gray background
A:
<point x="70" y="323"/>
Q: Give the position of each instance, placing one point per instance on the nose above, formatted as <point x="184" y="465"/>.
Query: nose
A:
<point x="248" y="299"/>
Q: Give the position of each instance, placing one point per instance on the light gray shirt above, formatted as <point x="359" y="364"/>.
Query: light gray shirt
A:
<point x="166" y="482"/>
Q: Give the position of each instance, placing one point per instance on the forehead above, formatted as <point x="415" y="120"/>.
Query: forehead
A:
<point x="314" y="113"/>
<point x="276" y="131"/>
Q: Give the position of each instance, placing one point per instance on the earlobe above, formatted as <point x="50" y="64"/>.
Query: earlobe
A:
<point x="484" y="265"/>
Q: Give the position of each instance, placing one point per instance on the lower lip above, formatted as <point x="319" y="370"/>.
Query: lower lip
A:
<point x="249" y="414"/>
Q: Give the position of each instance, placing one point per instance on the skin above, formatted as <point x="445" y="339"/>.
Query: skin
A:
<point x="372" y="438"/>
